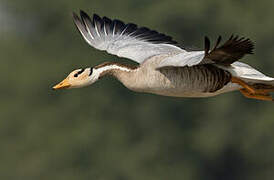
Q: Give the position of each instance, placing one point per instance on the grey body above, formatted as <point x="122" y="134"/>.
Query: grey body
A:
<point x="195" y="81"/>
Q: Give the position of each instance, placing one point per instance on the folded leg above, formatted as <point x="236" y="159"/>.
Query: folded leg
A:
<point x="252" y="92"/>
<point x="264" y="97"/>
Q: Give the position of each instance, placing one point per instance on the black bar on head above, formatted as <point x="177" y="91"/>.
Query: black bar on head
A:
<point x="91" y="70"/>
<point x="79" y="72"/>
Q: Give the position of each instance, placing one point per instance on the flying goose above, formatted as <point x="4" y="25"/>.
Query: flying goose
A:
<point x="165" y="68"/>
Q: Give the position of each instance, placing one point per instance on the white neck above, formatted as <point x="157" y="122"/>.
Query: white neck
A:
<point x="110" y="68"/>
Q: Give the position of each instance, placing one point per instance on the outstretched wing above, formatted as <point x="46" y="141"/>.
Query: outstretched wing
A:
<point x="232" y="50"/>
<point x="124" y="40"/>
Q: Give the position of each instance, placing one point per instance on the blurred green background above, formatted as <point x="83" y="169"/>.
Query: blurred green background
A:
<point x="106" y="132"/>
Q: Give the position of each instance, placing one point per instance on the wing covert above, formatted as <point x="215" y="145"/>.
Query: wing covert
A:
<point x="123" y="40"/>
<point x="231" y="51"/>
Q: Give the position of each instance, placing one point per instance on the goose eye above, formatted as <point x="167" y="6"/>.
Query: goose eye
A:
<point x="78" y="73"/>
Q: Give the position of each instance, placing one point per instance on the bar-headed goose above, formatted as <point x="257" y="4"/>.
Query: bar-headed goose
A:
<point x="164" y="68"/>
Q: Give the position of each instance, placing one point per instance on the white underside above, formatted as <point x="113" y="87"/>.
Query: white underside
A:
<point x="183" y="93"/>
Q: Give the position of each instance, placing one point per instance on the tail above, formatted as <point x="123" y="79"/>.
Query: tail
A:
<point x="250" y="75"/>
<point x="255" y="84"/>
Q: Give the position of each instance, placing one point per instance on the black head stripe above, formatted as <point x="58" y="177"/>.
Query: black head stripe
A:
<point x="91" y="70"/>
<point x="79" y="72"/>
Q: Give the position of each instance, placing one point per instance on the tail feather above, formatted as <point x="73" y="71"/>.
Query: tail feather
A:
<point x="249" y="74"/>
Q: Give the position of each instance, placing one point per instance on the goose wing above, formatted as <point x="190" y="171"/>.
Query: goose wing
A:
<point x="232" y="50"/>
<point x="124" y="40"/>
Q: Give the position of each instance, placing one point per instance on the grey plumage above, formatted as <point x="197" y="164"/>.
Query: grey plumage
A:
<point x="165" y="68"/>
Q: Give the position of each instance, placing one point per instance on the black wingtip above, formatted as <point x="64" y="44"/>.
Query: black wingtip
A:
<point x="217" y="42"/>
<point x="246" y="44"/>
<point x="96" y="15"/>
<point x="232" y="50"/>
<point x="207" y="45"/>
<point x="251" y="45"/>
<point x="231" y="37"/>
<point x="84" y="21"/>
<point x="76" y="20"/>
<point x="83" y="13"/>
<point x="75" y="16"/>
<point x="96" y="18"/>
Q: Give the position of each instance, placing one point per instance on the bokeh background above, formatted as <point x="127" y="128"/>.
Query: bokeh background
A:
<point x="106" y="132"/>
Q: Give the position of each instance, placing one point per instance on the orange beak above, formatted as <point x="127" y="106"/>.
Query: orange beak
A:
<point x="62" y="85"/>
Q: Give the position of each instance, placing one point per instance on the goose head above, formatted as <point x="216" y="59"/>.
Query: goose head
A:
<point x="78" y="78"/>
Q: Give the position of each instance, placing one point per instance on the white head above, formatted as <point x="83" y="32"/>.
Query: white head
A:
<point x="79" y="78"/>
<point x="84" y="77"/>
